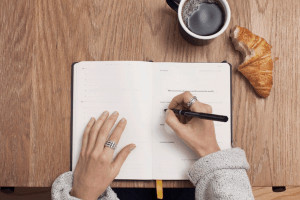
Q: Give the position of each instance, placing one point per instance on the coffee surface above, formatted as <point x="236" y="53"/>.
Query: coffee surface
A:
<point x="203" y="17"/>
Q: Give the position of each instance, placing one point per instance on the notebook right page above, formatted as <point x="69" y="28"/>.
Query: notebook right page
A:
<point x="211" y="83"/>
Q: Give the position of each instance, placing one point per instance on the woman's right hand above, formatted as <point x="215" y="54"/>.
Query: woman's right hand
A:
<point x="198" y="134"/>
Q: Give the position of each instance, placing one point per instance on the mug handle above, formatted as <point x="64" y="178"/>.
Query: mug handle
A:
<point x="173" y="4"/>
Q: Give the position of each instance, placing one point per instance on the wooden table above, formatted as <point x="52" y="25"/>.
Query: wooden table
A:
<point x="39" y="40"/>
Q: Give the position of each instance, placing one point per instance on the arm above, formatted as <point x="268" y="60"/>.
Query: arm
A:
<point x="62" y="187"/>
<point x="222" y="175"/>
<point x="217" y="174"/>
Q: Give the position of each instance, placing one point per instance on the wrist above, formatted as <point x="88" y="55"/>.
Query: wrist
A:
<point x="207" y="151"/>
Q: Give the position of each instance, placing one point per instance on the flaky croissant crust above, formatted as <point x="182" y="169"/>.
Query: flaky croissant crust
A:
<point x="258" y="64"/>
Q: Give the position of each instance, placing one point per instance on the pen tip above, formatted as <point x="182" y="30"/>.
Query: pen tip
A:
<point x="165" y="110"/>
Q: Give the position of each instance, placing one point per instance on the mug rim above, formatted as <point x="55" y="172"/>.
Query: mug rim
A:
<point x="225" y="26"/>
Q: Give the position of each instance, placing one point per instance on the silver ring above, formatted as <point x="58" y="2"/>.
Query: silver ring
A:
<point x="192" y="101"/>
<point x="110" y="144"/>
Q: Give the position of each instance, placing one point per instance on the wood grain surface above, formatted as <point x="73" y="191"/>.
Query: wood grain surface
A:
<point x="39" y="40"/>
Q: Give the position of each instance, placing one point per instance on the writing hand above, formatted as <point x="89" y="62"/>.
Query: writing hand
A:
<point x="198" y="134"/>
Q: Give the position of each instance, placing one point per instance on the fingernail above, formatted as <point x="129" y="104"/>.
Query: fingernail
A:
<point x="104" y="113"/>
<point x="92" y="120"/>
<point x="123" y="120"/>
<point x="115" y="113"/>
<point x="132" y="147"/>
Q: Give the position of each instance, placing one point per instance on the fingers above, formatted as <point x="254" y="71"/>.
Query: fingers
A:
<point x="104" y="131"/>
<point x="115" y="136"/>
<point x="86" y="135"/>
<point x="121" y="157"/>
<point x="181" y="99"/>
<point x="94" y="131"/>
<point x="173" y="121"/>
<point x="184" y="98"/>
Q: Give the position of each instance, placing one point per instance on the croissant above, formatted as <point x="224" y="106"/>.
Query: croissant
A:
<point x="258" y="64"/>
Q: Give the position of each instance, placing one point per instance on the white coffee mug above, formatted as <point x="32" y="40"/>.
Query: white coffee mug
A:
<point x="191" y="37"/>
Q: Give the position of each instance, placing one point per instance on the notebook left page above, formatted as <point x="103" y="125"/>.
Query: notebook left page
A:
<point x="120" y="86"/>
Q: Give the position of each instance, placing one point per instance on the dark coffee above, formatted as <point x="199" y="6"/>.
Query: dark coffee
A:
<point x="203" y="17"/>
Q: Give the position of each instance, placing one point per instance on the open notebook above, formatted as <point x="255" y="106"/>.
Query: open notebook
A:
<point x="140" y="91"/>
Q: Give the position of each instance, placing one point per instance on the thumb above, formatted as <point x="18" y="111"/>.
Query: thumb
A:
<point x="173" y="121"/>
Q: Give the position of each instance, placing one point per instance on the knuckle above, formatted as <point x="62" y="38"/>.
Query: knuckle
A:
<point x="93" y="133"/>
<point x="101" y="118"/>
<point x="113" y="117"/>
<point x="121" y="125"/>
<point x="103" y="158"/>
<point x="104" y="130"/>
<point x="100" y="121"/>
<point x="117" y="131"/>
<point x="124" y="153"/>
<point x="82" y="154"/>
<point x="186" y="93"/>
<point x="94" y="156"/>
<point x="88" y="153"/>
<point x="208" y="108"/>
<point x="110" y="120"/>
<point x="119" y="128"/>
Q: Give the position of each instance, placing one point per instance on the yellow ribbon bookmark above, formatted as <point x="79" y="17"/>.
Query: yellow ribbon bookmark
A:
<point x="159" y="189"/>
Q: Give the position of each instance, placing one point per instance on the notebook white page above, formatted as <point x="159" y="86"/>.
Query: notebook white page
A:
<point x="125" y="87"/>
<point x="140" y="91"/>
<point x="210" y="82"/>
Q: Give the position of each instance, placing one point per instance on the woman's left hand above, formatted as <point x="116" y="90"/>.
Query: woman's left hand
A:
<point x="96" y="168"/>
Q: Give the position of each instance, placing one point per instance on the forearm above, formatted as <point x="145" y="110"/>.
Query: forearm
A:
<point x="222" y="175"/>
<point x="63" y="185"/>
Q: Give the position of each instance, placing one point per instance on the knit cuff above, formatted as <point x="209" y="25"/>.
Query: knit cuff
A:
<point x="62" y="187"/>
<point x="227" y="159"/>
<point x="109" y="194"/>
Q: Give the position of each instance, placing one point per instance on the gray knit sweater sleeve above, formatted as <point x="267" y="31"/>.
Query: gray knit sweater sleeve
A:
<point x="62" y="187"/>
<point x="222" y="175"/>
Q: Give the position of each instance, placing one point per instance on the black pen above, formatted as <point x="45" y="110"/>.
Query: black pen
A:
<point x="200" y="115"/>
